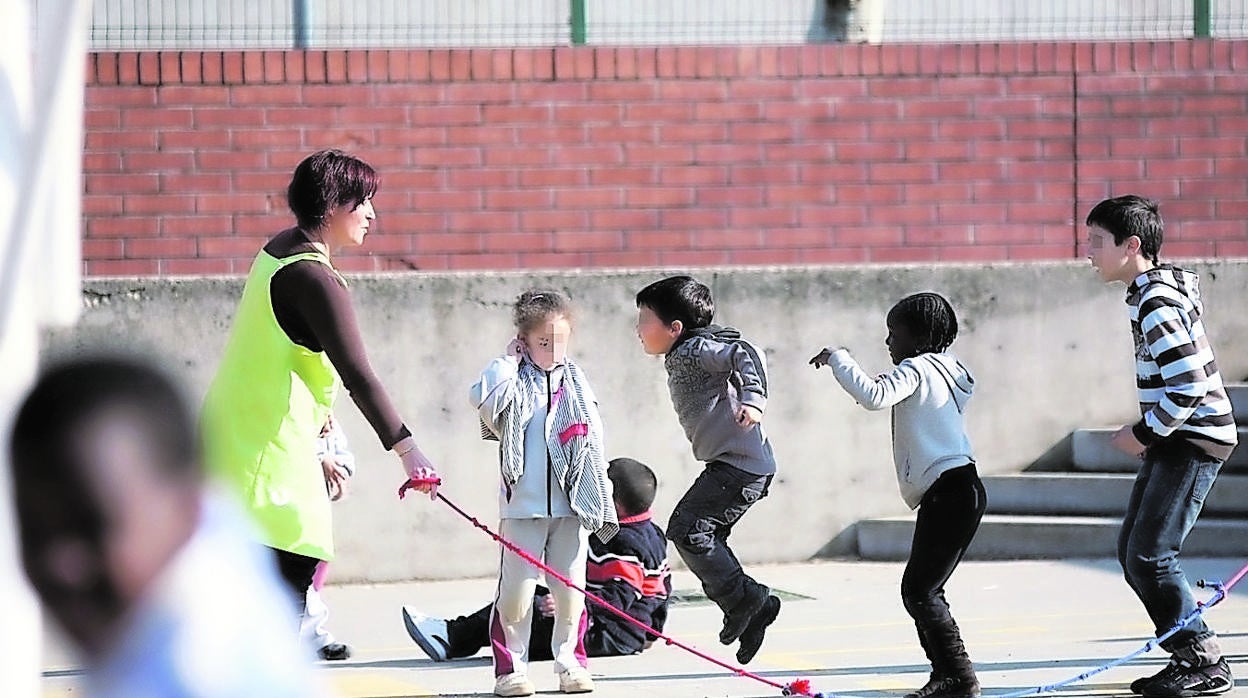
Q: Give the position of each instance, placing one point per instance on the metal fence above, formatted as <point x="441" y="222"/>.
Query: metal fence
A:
<point x="189" y="24"/>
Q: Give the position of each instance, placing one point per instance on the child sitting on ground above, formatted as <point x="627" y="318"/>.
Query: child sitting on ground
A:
<point x="630" y="572"/>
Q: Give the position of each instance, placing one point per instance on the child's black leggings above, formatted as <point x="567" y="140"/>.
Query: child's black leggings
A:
<point x="948" y="517"/>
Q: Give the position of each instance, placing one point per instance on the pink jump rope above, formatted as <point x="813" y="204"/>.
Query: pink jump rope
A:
<point x="801" y="687"/>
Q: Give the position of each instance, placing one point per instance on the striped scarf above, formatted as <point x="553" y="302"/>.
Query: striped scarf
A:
<point x="575" y="450"/>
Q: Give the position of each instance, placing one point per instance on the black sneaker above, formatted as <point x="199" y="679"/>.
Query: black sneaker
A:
<point x="736" y="620"/>
<point x="752" y="638"/>
<point x="1187" y="680"/>
<point x="334" y="652"/>
<point x="947" y="687"/>
<point x="1137" y="686"/>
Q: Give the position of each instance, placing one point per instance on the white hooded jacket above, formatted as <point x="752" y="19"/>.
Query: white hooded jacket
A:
<point x="929" y="394"/>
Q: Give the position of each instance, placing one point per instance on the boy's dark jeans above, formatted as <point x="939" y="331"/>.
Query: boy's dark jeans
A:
<point x="701" y="523"/>
<point x="467" y="635"/>
<point x="1169" y="492"/>
<point x="947" y="520"/>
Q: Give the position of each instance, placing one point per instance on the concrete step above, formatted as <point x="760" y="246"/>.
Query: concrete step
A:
<point x="1238" y="392"/>
<point x="1020" y="537"/>
<point x="1092" y="452"/>
<point x="1087" y="494"/>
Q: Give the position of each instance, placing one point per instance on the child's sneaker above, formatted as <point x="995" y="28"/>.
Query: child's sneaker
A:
<point x="752" y="638"/>
<point x="947" y="687"/>
<point x="514" y="684"/>
<point x="736" y="620"/>
<point x="575" y="680"/>
<point x="428" y="633"/>
<point x="334" y="652"/>
<point x="1187" y="680"/>
<point x="1137" y="686"/>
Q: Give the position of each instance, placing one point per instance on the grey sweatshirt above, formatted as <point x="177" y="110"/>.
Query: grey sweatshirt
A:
<point x="928" y="394"/>
<point x="710" y="375"/>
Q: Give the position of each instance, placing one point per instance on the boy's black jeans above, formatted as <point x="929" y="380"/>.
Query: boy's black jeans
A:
<point x="1169" y="492"/>
<point x="701" y="523"/>
<point x="948" y="517"/>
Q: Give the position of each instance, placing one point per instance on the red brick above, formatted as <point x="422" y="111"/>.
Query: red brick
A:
<point x="120" y="267"/>
<point x="553" y="220"/>
<point x="106" y="72"/>
<point x="357" y="66"/>
<point x="742" y="217"/>
<point x="160" y="248"/>
<point x="335" y="66"/>
<point x="625" y="219"/>
<point x="692" y="218"/>
<point x="658" y="240"/>
<point x="149" y="68"/>
<point x="231" y="67"/>
<point x="316" y="66"/>
<point x="578" y="241"/>
<point x="124" y="228"/>
<point x="659" y="196"/>
<point x="120" y="96"/>
<point x="128" y="183"/>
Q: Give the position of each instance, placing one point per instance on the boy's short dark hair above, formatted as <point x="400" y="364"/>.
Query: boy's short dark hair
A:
<point x="1124" y="216"/>
<point x="681" y="298"/>
<point x="930" y="320"/>
<point x="634" y="484"/>
<point x="54" y="493"/>
<point x="326" y="180"/>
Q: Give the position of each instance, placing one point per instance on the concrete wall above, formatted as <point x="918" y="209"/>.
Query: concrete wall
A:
<point x="1049" y="346"/>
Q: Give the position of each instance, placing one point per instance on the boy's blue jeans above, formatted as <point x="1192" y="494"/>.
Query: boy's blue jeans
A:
<point x="701" y="523"/>
<point x="1169" y="493"/>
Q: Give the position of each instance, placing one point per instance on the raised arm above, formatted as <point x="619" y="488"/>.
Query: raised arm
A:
<point x="874" y="392"/>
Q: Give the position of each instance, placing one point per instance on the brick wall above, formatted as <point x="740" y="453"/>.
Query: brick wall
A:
<point x="571" y="157"/>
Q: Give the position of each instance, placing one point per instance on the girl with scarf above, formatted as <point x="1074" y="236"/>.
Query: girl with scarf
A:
<point x="554" y="489"/>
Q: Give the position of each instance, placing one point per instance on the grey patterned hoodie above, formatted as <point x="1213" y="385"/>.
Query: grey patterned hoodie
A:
<point x="711" y="372"/>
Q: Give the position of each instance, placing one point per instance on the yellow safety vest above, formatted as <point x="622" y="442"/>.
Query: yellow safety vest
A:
<point x="261" y="418"/>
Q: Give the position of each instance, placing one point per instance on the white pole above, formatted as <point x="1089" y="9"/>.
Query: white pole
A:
<point x="40" y="194"/>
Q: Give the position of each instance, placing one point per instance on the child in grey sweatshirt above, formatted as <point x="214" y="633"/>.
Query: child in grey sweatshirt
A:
<point x="718" y="384"/>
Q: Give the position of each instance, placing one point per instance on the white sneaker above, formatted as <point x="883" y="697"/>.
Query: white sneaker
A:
<point x="514" y="684"/>
<point x="575" y="680"/>
<point x="429" y="633"/>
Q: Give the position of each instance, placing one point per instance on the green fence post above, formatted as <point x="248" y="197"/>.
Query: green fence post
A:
<point x="578" y="22"/>
<point x="1200" y="19"/>
<point x="301" y="15"/>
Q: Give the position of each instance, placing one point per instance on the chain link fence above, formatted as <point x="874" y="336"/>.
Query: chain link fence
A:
<point x="215" y="24"/>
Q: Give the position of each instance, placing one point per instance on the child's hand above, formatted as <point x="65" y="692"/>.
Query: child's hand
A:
<point x="335" y="478"/>
<point x="748" y="416"/>
<point x="1124" y="440"/>
<point x="821" y="359"/>
<point x="545" y="605"/>
<point x="516" y="348"/>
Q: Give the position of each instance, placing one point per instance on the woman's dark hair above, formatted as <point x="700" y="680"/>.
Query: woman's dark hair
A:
<point x="634" y="485"/>
<point x="929" y="319"/>
<point x="326" y="180"/>
<point x="1124" y="216"/>
<point x="532" y="307"/>
<point x="681" y="298"/>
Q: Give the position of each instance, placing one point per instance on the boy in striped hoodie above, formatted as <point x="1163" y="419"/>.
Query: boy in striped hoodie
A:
<point x="1185" y="434"/>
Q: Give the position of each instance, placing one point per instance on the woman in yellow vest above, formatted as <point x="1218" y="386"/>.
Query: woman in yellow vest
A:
<point x="295" y="340"/>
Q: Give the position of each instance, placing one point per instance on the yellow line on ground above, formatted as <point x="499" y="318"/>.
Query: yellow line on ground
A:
<point x="363" y="684"/>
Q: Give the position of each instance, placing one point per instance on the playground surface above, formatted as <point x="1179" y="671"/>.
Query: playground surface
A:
<point x="842" y="626"/>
